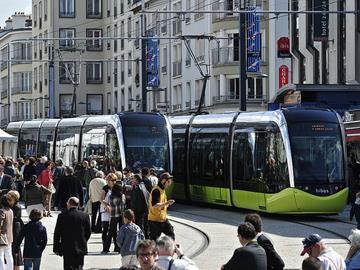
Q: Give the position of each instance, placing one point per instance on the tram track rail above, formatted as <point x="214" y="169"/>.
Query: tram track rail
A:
<point x="205" y="243"/>
<point x="320" y="223"/>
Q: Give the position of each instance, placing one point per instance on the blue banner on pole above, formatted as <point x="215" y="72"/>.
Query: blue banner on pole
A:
<point x="152" y="62"/>
<point x="253" y="41"/>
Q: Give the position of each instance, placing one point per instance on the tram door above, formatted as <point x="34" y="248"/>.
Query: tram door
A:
<point x="207" y="165"/>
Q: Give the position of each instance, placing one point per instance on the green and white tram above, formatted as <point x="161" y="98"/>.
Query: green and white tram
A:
<point x="285" y="161"/>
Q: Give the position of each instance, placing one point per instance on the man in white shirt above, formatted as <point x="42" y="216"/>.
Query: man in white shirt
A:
<point x="315" y="247"/>
<point x="95" y="190"/>
<point x="166" y="249"/>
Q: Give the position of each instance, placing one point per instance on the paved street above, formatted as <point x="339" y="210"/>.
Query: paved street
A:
<point x="220" y="226"/>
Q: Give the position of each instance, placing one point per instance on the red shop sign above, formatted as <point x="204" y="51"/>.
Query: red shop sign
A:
<point x="283" y="47"/>
<point x="283" y="76"/>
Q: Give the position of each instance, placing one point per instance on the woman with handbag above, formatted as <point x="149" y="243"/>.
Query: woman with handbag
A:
<point x="18" y="224"/>
<point x="6" y="230"/>
<point x="46" y="179"/>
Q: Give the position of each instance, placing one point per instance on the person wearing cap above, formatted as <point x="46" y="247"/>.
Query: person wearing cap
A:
<point x="158" y="204"/>
<point x="315" y="247"/>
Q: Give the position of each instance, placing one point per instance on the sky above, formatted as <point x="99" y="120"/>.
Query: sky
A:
<point x="9" y="7"/>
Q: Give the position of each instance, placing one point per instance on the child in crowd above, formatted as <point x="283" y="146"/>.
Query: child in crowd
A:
<point x="355" y="210"/>
<point x="128" y="237"/>
<point x="35" y="240"/>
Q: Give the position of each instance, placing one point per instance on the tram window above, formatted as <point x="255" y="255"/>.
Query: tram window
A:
<point x="67" y="143"/>
<point x="27" y="142"/>
<point x="146" y="146"/>
<point x="207" y="160"/>
<point x="179" y="157"/>
<point x="46" y="142"/>
<point x="99" y="143"/>
<point x="317" y="153"/>
<point x="259" y="162"/>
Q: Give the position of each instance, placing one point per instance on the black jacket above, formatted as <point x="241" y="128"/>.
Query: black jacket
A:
<point x="29" y="170"/>
<point x="7" y="184"/>
<point x="140" y="199"/>
<point x="69" y="186"/>
<point x="249" y="257"/>
<point x="72" y="231"/>
<point x="35" y="239"/>
<point x="274" y="261"/>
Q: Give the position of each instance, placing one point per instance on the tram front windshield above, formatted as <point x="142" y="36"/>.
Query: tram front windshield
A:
<point x="317" y="153"/>
<point x="146" y="146"/>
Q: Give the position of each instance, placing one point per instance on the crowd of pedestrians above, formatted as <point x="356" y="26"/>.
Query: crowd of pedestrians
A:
<point x="129" y="209"/>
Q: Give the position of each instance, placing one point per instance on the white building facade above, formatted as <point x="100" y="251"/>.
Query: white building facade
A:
<point x="16" y="69"/>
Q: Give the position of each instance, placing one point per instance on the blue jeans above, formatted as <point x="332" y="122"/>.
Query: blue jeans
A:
<point x="32" y="264"/>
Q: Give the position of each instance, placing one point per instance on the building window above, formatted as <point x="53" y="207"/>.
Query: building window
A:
<point x="21" y="82"/>
<point x="94" y="72"/>
<point x="129" y="64"/>
<point x="45" y="9"/>
<point x="122" y="69"/>
<point x="35" y="16"/>
<point x="94" y="8"/>
<point x="115" y="72"/>
<point x="65" y="101"/>
<point x="67" y="9"/>
<point x="95" y="44"/>
<point x="115" y="36"/>
<point x="94" y="104"/>
<point x="40" y="15"/>
<point x="35" y="78"/>
<point x="67" y="72"/>
<point x="108" y="41"/>
<point x="122" y="34"/>
<point x="129" y="27"/>
<point x="68" y="36"/>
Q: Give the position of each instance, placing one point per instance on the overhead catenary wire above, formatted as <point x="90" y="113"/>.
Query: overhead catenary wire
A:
<point x="161" y="44"/>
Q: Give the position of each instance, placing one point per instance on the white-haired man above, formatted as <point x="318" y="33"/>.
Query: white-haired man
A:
<point x="166" y="249"/>
<point x="95" y="190"/>
<point x="315" y="247"/>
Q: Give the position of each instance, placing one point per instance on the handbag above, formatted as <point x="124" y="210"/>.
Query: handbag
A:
<point x="88" y="208"/>
<point x="52" y="188"/>
<point x="4" y="240"/>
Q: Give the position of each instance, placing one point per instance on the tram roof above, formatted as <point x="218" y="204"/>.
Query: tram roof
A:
<point x="221" y="118"/>
<point x="14" y="125"/>
<point x="32" y="124"/>
<point x="50" y="123"/>
<point x="99" y="119"/>
<point x="72" y="122"/>
<point x="180" y="120"/>
<point x="262" y="117"/>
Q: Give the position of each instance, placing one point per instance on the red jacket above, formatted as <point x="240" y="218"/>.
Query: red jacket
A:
<point x="45" y="178"/>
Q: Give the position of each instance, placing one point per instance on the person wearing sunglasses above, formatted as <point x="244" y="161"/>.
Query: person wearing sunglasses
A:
<point x="315" y="247"/>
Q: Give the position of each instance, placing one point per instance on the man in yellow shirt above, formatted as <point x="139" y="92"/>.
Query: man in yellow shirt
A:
<point x="158" y="221"/>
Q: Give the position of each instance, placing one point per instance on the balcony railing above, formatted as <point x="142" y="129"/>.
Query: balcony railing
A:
<point x="20" y="90"/>
<point x="177" y="68"/>
<point x="69" y="14"/>
<point x="224" y="55"/>
<point x="226" y="5"/>
<point x="232" y="99"/>
<point x="4" y="94"/>
<point x="3" y="65"/>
